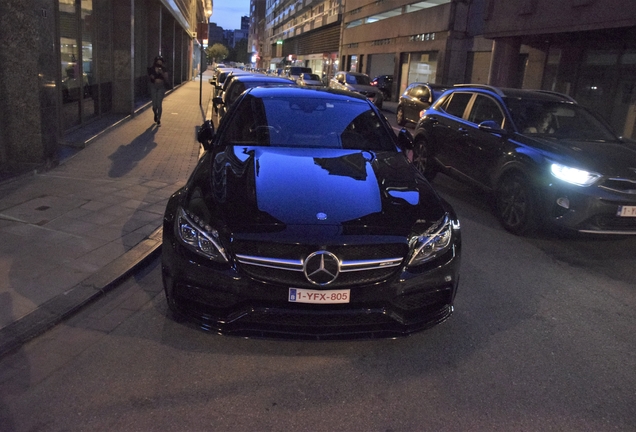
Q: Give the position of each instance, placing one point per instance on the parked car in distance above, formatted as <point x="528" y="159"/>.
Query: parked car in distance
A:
<point x="310" y="80"/>
<point x="385" y="84"/>
<point x="358" y="83"/>
<point x="294" y="72"/>
<point x="220" y="74"/>
<point x="243" y="82"/>
<point x="548" y="161"/>
<point x="417" y="97"/>
<point x="304" y="219"/>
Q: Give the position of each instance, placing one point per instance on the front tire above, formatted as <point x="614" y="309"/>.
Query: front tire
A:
<point x="422" y="158"/>
<point x="516" y="204"/>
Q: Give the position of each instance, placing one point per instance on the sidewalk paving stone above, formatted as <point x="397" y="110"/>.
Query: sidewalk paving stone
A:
<point x="72" y="233"/>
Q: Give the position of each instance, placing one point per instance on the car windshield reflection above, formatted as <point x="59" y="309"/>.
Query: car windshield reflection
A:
<point x="307" y="123"/>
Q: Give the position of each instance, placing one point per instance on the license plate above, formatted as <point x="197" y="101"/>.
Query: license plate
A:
<point x="626" y="211"/>
<point x="299" y="295"/>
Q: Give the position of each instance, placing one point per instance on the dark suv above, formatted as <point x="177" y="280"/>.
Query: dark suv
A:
<point x="547" y="160"/>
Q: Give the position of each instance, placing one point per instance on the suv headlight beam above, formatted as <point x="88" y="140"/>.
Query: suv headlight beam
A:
<point x="574" y="176"/>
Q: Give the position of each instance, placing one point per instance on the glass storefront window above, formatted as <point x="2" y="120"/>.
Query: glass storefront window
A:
<point x="89" y="103"/>
<point x="423" y="67"/>
<point x="76" y="55"/>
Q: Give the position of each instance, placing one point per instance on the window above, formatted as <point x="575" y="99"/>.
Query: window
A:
<point x="422" y="93"/>
<point x="456" y="104"/>
<point x="485" y="108"/>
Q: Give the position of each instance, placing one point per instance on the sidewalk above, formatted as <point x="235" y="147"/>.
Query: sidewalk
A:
<point x="69" y="235"/>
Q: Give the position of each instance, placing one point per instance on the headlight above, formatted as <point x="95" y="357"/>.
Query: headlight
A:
<point x="199" y="237"/>
<point x="573" y="175"/>
<point x="432" y="243"/>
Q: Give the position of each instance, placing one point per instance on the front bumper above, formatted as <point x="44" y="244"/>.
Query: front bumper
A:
<point x="227" y="301"/>
<point x="588" y="209"/>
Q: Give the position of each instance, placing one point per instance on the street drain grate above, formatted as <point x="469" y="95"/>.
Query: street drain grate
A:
<point x="42" y="208"/>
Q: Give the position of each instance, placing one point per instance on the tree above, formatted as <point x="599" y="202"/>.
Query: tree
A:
<point x="216" y="53"/>
<point x="239" y="52"/>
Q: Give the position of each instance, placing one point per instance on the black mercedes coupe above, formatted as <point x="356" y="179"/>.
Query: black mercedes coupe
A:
<point x="304" y="219"/>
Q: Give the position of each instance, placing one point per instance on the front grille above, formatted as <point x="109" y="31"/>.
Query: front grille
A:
<point x="283" y="264"/>
<point x="622" y="185"/>
<point x="297" y="279"/>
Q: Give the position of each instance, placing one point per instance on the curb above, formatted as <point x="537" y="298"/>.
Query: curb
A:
<point x="57" y="309"/>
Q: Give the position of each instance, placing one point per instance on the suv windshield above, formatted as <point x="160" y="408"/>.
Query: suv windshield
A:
<point x="557" y="119"/>
<point x="307" y="122"/>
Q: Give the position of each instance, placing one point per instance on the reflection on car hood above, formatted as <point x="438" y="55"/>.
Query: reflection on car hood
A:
<point x="612" y="158"/>
<point x="280" y="187"/>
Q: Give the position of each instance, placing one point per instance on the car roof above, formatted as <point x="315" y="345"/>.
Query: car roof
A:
<point x="514" y="93"/>
<point x="431" y="85"/>
<point x="301" y="92"/>
<point x="261" y="77"/>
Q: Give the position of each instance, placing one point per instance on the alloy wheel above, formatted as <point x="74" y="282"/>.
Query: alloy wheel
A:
<point x="422" y="160"/>
<point x="515" y="205"/>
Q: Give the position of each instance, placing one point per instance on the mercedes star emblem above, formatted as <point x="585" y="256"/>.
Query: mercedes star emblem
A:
<point x="321" y="268"/>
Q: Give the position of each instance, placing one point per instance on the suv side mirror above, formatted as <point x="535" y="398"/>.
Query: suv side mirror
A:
<point x="206" y="134"/>
<point x="491" y="126"/>
<point x="405" y="139"/>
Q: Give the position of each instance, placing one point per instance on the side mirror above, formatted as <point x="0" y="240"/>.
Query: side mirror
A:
<point x="206" y="134"/>
<point x="491" y="126"/>
<point x="405" y="139"/>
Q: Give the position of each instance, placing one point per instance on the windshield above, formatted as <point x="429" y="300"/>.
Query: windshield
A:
<point x="310" y="77"/>
<point x="557" y="119"/>
<point x="358" y="79"/>
<point x="307" y="122"/>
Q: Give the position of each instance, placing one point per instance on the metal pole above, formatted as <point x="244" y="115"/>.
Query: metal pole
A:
<point x="201" y="76"/>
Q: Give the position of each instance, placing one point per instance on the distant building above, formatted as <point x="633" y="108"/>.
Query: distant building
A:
<point x="215" y="34"/>
<point x="256" y="36"/>
<point x="303" y="34"/>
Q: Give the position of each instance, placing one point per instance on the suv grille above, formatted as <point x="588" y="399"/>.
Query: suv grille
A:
<point x="622" y="185"/>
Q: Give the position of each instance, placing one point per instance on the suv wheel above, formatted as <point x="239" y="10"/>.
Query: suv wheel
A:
<point x="399" y="115"/>
<point x="516" y="204"/>
<point x="422" y="158"/>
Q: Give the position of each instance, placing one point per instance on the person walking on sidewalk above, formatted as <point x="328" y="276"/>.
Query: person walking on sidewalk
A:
<point x="158" y="75"/>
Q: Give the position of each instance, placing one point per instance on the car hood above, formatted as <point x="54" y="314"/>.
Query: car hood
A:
<point x="610" y="158"/>
<point x="260" y="189"/>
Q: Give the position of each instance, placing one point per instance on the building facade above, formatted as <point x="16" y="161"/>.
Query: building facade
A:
<point x="584" y="48"/>
<point x="256" y="35"/>
<point x="426" y="41"/>
<point x="68" y="63"/>
<point x="302" y="33"/>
